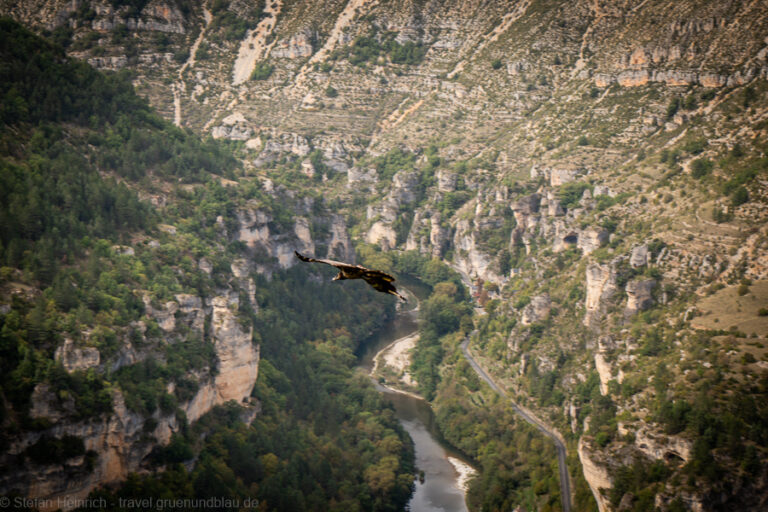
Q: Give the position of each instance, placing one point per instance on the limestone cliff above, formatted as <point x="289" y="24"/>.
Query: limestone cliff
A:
<point x="598" y="164"/>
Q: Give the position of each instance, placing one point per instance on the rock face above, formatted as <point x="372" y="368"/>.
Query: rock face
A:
<point x="401" y="194"/>
<point x="663" y="447"/>
<point x="165" y="316"/>
<point x="639" y="256"/>
<point x="446" y="181"/>
<point x="559" y="177"/>
<point x="238" y="356"/>
<point x="295" y="47"/>
<point x="596" y="475"/>
<point x="234" y="127"/>
<point x="470" y="259"/>
<point x="592" y="239"/>
<point x="604" y="371"/>
<point x="537" y="310"/>
<point x="382" y="234"/>
<point x="357" y="176"/>
<point x="273" y="248"/>
<point x="286" y="143"/>
<point x="340" y="246"/>
<point x="119" y="438"/>
<point x="191" y="311"/>
<point x="639" y="295"/>
<point x="601" y="286"/>
<point x="77" y="358"/>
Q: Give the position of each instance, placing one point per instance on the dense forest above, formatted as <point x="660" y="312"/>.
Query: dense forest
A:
<point x="84" y="254"/>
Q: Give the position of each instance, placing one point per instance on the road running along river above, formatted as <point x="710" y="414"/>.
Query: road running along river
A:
<point x="440" y="490"/>
<point x="565" y="480"/>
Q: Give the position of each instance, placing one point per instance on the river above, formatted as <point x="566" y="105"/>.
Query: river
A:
<point x="440" y="490"/>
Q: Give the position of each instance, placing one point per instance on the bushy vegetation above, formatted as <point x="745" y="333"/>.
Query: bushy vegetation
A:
<point x="393" y="161"/>
<point x="232" y="26"/>
<point x="325" y="438"/>
<point x="517" y="464"/>
<point x="84" y="253"/>
<point x="74" y="144"/>
<point x="367" y="49"/>
<point x="262" y="70"/>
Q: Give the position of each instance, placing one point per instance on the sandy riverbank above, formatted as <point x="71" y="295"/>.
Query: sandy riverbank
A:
<point x="397" y="356"/>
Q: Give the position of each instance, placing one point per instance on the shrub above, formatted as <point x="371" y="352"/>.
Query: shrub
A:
<point x="262" y="71"/>
<point x="695" y="146"/>
<point x="739" y="196"/>
<point x="701" y="167"/>
<point x="673" y="107"/>
<point x="496" y="63"/>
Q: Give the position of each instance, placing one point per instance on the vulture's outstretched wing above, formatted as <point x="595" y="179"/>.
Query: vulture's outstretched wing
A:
<point x="379" y="281"/>
<point x="375" y="275"/>
<point x="338" y="264"/>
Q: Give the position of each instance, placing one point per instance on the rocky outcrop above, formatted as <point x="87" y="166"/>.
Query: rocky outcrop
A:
<point x="271" y="247"/>
<point x="604" y="371"/>
<point x="591" y="239"/>
<point x="383" y="234"/>
<point x="357" y="176"/>
<point x="663" y="447"/>
<point x="120" y="439"/>
<point x="639" y="295"/>
<point x="601" y="286"/>
<point x="446" y="180"/>
<point x="384" y="214"/>
<point x="556" y="176"/>
<point x="536" y="310"/>
<point x="76" y="358"/>
<point x="598" y="478"/>
<point x="155" y="16"/>
<point x="335" y="155"/>
<point x="191" y="311"/>
<point x="469" y="259"/>
<point x="526" y="206"/>
<point x="165" y="315"/>
<point x="238" y="356"/>
<point x="295" y="47"/>
<point x="340" y="245"/>
<point x="439" y="236"/>
<point x="679" y="77"/>
<point x="639" y="256"/>
<point x="233" y="127"/>
<point x="283" y="144"/>
<point x="241" y="269"/>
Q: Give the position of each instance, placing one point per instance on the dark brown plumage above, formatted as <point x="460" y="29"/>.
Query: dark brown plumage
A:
<point x="380" y="281"/>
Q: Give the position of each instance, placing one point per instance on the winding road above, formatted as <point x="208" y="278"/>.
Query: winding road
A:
<point x="565" y="481"/>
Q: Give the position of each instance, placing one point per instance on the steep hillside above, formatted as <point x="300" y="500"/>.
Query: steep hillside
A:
<point x="142" y="282"/>
<point x="596" y="170"/>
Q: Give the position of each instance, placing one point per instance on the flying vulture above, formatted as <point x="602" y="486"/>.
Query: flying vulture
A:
<point x="380" y="281"/>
